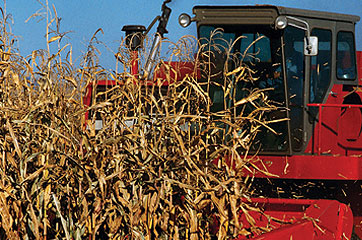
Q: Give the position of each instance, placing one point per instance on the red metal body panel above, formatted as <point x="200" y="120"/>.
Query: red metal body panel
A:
<point x="300" y="219"/>
<point x="357" y="223"/>
<point x="312" y="167"/>
<point x="87" y="98"/>
<point x="346" y="131"/>
<point x="176" y="71"/>
<point x="134" y="63"/>
<point x="299" y="231"/>
<point x="340" y="130"/>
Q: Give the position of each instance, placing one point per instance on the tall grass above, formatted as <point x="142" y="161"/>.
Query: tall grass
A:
<point x="164" y="166"/>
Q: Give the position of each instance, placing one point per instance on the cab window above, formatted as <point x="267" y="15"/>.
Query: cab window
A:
<point x="346" y="59"/>
<point x="258" y="47"/>
<point x="255" y="47"/>
<point x="321" y="66"/>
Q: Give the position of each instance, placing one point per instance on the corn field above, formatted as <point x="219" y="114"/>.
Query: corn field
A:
<point x="163" y="165"/>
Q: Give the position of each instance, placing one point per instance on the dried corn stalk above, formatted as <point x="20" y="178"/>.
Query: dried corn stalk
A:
<point x="164" y="166"/>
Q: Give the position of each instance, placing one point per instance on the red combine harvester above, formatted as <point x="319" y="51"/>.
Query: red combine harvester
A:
<point x="317" y="155"/>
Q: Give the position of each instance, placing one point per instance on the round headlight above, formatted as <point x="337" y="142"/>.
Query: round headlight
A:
<point x="184" y="20"/>
<point x="281" y="22"/>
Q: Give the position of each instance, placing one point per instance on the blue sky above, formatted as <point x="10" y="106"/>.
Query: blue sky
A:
<point x="84" y="17"/>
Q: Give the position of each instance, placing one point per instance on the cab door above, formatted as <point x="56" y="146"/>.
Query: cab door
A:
<point x="295" y="79"/>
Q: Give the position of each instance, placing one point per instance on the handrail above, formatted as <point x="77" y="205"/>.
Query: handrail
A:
<point x="320" y="106"/>
<point x="333" y="105"/>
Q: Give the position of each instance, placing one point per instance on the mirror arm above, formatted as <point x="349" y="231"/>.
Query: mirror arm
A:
<point x="306" y="28"/>
<point x="152" y="24"/>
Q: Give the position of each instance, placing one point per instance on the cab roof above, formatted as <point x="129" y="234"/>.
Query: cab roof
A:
<point x="219" y="12"/>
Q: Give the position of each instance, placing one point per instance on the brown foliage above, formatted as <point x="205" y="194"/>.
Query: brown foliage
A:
<point x="149" y="173"/>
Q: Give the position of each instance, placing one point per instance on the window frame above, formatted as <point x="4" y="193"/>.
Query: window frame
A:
<point x="353" y="51"/>
<point x="330" y="62"/>
<point x="268" y="33"/>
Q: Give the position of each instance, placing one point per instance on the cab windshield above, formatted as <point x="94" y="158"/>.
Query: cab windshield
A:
<point x="258" y="47"/>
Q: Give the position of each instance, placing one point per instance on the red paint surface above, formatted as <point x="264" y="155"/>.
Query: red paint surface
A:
<point x="134" y="63"/>
<point x="339" y="132"/>
<point x="357" y="223"/>
<point x="300" y="219"/>
<point x="347" y="131"/>
<point x="311" y="167"/>
<point x="176" y="71"/>
<point x="169" y="72"/>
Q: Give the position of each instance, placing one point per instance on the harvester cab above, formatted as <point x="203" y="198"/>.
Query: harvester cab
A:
<point x="308" y="59"/>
